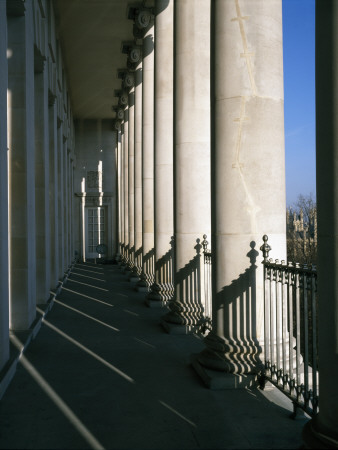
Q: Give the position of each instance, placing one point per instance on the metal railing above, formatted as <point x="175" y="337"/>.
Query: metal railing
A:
<point x="290" y="340"/>
<point x="207" y="260"/>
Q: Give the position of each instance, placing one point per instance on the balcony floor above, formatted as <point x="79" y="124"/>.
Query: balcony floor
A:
<point x="120" y="381"/>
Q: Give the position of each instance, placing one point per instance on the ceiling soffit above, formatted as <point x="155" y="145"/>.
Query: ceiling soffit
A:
<point x="91" y="33"/>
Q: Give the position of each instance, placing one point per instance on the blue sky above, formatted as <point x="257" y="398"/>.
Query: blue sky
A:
<point x="299" y="97"/>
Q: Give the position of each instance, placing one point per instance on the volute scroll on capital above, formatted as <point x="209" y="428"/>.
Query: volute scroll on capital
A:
<point x="117" y="125"/>
<point x="123" y="100"/>
<point x="129" y="81"/>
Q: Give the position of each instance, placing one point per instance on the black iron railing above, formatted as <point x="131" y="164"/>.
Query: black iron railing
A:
<point x="290" y="340"/>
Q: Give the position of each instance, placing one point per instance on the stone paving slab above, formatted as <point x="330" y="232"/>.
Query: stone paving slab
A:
<point x="102" y="373"/>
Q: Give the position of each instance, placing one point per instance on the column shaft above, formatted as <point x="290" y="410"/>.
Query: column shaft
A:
<point x="125" y="187"/>
<point x="147" y="276"/>
<point x="22" y="170"/>
<point x="54" y="251"/>
<point x="122" y="196"/>
<point x="322" y="430"/>
<point x="138" y="169"/>
<point x="66" y="205"/>
<point x="60" y="202"/>
<point x="42" y="187"/>
<point x="247" y="146"/>
<point x="131" y="218"/>
<point x="162" y="289"/>
<point x="118" y="196"/>
<point x="192" y="157"/>
<point x="4" y="280"/>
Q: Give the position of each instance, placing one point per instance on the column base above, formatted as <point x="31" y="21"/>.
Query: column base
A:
<point x="315" y="437"/>
<point x="189" y="315"/>
<point x="146" y="280"/>
<point x="142" y="288"/>
<point x="160" y="294"/>
<point x="133" y="278"/>
<point x="219" y="380"/>
<point x="154" y="303"/>
<point x="232" y="356"/>
<point x="135" y="274"/>
<point x="174" y="328"/>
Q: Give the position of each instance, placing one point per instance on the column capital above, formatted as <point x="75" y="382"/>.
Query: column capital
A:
<point x="117" y="125"/>
<point x="127" y="77"/>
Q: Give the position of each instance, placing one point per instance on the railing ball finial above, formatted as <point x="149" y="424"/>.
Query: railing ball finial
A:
<point x="205" y="243"/>
<point x="265" y="248"/>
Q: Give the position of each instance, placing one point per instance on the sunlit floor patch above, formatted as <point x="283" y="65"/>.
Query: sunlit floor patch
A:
<point x="86" y="315"/>
<point x="130" y="312"/>
<point x="90" y="271"/>
<point x="145" y="343"/>
<point x="87" y="296"/>
<point x="63" y="407"/>
<point x="177" y="413"/>
<point x="87" y="276"/>
<point x="86" y="284"/>
<point x="90" y="352"/>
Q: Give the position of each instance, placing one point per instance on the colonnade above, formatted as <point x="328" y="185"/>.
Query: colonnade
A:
<point x="212" y="123"/>
<point x="217" y="160"/>
<point x="200" y="150"/>
<point x="37" y="160"/>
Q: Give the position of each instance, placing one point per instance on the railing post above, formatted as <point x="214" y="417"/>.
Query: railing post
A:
<point x="207" y="278"/>
<point x="265" y="248"/>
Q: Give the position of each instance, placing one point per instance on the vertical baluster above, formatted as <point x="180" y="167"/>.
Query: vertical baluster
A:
<point x="297" y="288"/>
<point x="265" y="248"/>
<point x="306" y="337"/>
<point x="278" y="319"/>
<point x="291" y="289"/>
<point x="314" y="341"/>
<point x="284" y="322"/>
<point x="267" y="272"/>
<point x="209" y="285"/>
<point x="272" y="319"/>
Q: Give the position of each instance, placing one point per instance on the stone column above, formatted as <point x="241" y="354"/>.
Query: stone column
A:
<point x="125" y="187"/>
<point x="66" y="205"/>
<point x="122" y="196"/>
<point x="53" y="211"/>
<point x="247" y="153"/>
<point x="162" y="289"/>
<point x="60" y="198"/>
<point x="4" y="279"/>
<point x="21" y="170"/>
<point x="131" y="109"/>
<point x="118" y="190"/>
<point x="192" y="159"/>
<point x="42" y="187"/>
<point x="147" y="275"/>
<point x="71" y="212"/>
<point x="138" y="170"/>
<point x="322" y="430"/>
